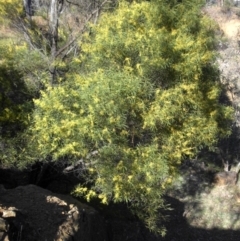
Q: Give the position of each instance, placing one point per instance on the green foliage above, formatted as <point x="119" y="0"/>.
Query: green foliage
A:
<point x="163" y="42"/>
<point x="110" y="100"/>
<point x="104" y="112"/>
<point x="32" y="65"/>
<point x="15" y="104"/>
<point x="152" y="102"/>
<point x="10" y="9"/>
<point x="12" y="88"/>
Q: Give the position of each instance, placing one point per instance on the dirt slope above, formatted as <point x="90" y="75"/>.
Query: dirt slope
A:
<point x="228" y="22"/>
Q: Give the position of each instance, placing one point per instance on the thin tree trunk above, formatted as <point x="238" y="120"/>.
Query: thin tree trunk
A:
<point x="53" y="17"/>
<point x="28" y="7"/>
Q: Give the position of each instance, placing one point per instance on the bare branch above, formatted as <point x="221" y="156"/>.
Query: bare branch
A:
<point x="89" y="17"/>
<point x="75" y="4"/>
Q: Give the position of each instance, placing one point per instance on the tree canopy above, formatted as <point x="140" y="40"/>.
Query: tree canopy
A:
<point x="143" y="96"/>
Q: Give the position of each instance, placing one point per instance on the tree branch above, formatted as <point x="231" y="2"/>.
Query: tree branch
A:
<point x="89" y="17"/>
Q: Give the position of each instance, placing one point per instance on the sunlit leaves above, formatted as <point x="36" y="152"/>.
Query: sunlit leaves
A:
<point x="96" y="108"/>
<point x="153" y="39"/>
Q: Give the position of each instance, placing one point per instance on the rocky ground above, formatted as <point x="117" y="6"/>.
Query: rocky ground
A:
<point x="30" y="213"/>
<point x="200" y="211"/>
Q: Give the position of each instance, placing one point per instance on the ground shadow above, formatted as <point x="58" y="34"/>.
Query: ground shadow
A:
<point x="114" y="223"/>
<point x="179" y="229"/>
<point x="42" y="215"/>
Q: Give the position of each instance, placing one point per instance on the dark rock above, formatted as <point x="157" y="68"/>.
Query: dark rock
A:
<point x="37" y="214"/>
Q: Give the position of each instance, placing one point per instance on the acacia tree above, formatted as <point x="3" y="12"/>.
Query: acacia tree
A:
<point x="146" y="96"/>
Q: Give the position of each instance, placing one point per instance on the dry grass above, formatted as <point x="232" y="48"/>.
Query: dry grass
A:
<point x="204" y="205"/>
<point x="6" y="32"/>
<point x="217" y="209"/>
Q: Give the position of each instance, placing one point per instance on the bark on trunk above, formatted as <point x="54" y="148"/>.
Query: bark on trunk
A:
<point x="53" y="17"/>
<point x="28" y="7"/>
